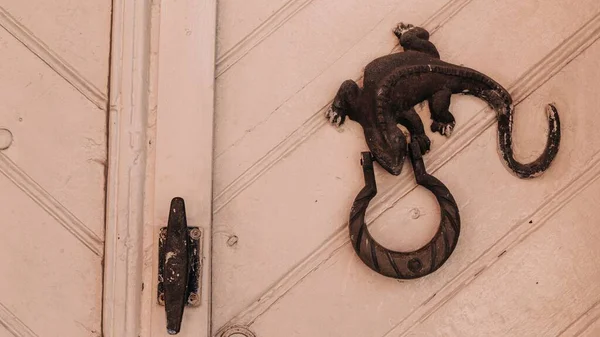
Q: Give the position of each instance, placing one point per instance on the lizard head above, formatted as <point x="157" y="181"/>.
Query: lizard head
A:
<point x="389" y="149"/>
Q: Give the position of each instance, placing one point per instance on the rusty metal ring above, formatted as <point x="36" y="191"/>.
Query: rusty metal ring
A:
<point x="405" y="265"/>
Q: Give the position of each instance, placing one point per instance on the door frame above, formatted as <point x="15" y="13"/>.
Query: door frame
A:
<point x="134" y="111"/>
<point x="127" y="154"/>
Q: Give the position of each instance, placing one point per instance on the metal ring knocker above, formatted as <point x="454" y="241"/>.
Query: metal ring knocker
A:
<point x="405" y="265"/>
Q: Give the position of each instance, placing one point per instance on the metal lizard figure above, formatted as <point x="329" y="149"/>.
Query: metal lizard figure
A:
<point x="395" y="83"/>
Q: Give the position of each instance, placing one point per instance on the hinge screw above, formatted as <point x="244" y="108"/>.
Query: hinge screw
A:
<point x="195" y="234"/>
<point x="194" y="299"/>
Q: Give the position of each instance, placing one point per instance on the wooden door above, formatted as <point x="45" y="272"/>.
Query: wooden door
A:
<point x="54" y="65"/>
<point x="284" y="179"/>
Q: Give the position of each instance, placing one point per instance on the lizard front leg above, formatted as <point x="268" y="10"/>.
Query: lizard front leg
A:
<point x="344" y="104"/>
<point x="443" y="120"/>
<point x="412" y="121"/>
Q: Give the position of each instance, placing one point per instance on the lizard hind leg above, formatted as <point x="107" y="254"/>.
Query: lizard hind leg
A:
<point x="412" y="121"/>
<point x="443" y="120"/>
<point x="344" y="104"/>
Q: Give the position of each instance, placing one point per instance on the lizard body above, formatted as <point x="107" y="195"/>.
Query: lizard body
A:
<point x="395" y="83"/>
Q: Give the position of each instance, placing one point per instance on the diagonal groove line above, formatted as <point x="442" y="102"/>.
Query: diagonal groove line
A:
<point x="59" y="212"/>
<point x="288" y="145"/>
<point x="554" y="62"/>
<point x="525" y="227"/>
<point x="314" y="123"/>
<point x="13" y="324"/>
<point x="443" y="15"/>
<point x="583" y="322"/>
<point x="259" y="34"/>
<point x="292" y="96"/>
<point x="55" y="62"/>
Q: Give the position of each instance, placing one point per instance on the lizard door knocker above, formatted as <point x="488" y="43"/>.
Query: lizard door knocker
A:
<point x="405" y="265"/>
<point x="392" y="86"/>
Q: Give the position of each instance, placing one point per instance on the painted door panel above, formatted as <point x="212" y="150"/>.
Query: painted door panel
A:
<point x="53" y="101"/>
<point x="284" y="179"/>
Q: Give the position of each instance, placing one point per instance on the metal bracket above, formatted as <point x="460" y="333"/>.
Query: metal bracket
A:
<point x="179" y="267"/>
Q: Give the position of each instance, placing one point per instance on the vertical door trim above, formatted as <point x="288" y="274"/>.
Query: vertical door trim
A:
<point x="161" y="87"/>
<point x="181" y="159"/>
<point x="127" y="122"/>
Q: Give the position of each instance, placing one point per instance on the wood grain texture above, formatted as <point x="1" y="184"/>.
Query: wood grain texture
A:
<point x="264" y="213"/>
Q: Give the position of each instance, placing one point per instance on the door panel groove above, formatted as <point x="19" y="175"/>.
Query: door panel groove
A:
<point x="532" y="79"/>
<point x="583" y="323"/>
<point x="45" y="200"/>
<point x="522" y="230"/>
<point x="230" y="57"/>
<point x="443" y="15"/>
<point x="13" y="324"/>
<point x="53" y="60"/>
<point x="234" y="54"/>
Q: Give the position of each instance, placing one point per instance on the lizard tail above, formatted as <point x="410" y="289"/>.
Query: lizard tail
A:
<point x="539" y="165"/>
<point x="497" y="97"/>
<point x="500" y="99"/>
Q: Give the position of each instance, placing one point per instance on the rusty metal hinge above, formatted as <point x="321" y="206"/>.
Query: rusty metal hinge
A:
<point x="180" y="265"/>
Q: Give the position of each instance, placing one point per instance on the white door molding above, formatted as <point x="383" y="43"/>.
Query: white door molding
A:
<point x="128" y="114"/>
<point x="181" y="159"/>
<point x="161" y="146"/>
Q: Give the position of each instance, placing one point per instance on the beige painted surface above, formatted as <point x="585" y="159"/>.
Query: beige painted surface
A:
<point x="53" y="100"/>
<point x="284" y="180"/>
